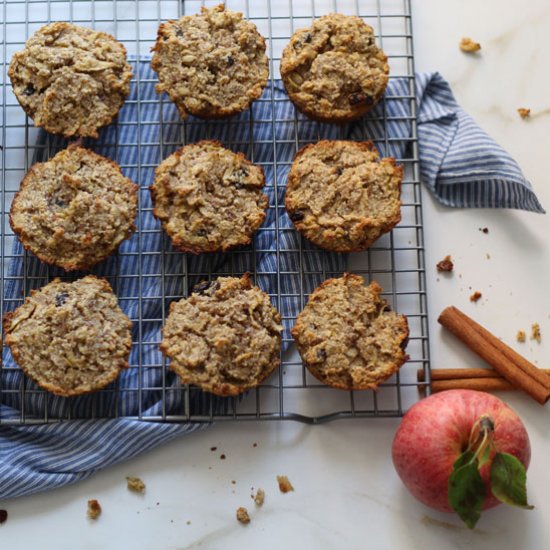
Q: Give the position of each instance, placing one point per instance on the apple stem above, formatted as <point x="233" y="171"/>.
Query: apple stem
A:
<point x="481" y="430"/>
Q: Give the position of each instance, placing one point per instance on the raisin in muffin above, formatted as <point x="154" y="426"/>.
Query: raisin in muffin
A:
<point x="70" y="338"/>
<point x="342" y="196"/>
<point x="334" y="71"/>
<point x="208" y="198"/>
<point x="71" y="80"/>
<point x="212" y="64"/>
<point x="225" y="338"/>
<point x="74" y="210"/>
<point x="347" y="336"/>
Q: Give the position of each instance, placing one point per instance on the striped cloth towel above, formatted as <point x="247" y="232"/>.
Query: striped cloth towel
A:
<point x="460" y="164"/>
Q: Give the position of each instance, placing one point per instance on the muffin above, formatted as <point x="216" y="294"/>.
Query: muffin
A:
<point x="70" y="338"/>
<point x="341" y="196"/>
<point x="347" y="336"/>
<point x="225" y="338"/>
<point x="212" y="64"/>
<point x="74" y="210"/>
<point x="208" y="198"/>
<point x="71" y="80"/>
<point x="333" y="71"/>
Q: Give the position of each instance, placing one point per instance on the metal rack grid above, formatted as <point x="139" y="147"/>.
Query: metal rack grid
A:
<point x="148" y="261"/>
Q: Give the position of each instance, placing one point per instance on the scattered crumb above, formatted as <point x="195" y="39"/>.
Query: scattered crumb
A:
<point x="242" y="515"/>
<point x="233" y="481"/>
<point x="158" y="503"/>
<point x="188" y="523"/>
<point x="260" y="497"/>
<point x="535" y="332"/>
<point x="222" y="457"/>
<point x="520" y="336"/>
<point x="484" y="230"/>
<point x="284" y="484"/>
<point x="94" y="509"/>
<point x="3" y="516"/>
<point x="467" y="45"/>
<point x="475" y="296"/>
<point x="213" y="449"/>
<point x="524" y="113"/>
<point x="135" y="484"/>
<point x="487" y="255"/>
<point x="254" y="444"/>
<point x="445" y="265"/>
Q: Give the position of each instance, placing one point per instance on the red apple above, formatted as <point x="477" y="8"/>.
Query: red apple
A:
<point x="436" y="431"/>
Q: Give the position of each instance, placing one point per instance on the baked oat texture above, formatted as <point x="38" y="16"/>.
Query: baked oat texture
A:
<point x="341" y="196"/>
<point x="242" y="515"/>
<point x="135" y="484"/>
<point x="284" y="484"/>
<point x="333" y="71"/>
<point x="259" y="498"/>
<point x="70" y="338"/>
<point x="208" y="198"/>
<point x="71" y="80"/>
<point x="212" y="64"/>
<point x="94" y="509"/>
<point x="347" y="336"/>
<point x="74" y="210"/>
<point x="225" y="338"/>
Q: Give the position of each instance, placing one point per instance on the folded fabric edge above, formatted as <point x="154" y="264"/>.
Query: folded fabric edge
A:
<point x="489" y="193"/>
<point x="43" y="479"/>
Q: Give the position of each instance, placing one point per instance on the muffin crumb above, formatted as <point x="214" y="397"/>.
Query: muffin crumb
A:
<point x="213" y="449"/>
<point x="468" y="45"/>
<point x="524" y="113"/>
<point x="284" y="484"/>
<point x="135" y="484"/>
<point x="475" y="296"/>
<point x="242" y="515"/>
<point x="260" y="497"/>
<point x="446" y="265"/>
<point x="520" y="336"/>
<point x="222" y="457"/>
<point x="535" y="332"/>
<point x="94" y="509"/>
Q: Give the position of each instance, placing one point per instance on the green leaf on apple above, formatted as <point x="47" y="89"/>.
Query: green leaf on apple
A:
<point x="466" y="489"/>
<point x="508" y="480"/>
<point x="463" y="459"/>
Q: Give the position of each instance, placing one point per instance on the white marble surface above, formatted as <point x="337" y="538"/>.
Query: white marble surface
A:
<point x="347" y="494"/>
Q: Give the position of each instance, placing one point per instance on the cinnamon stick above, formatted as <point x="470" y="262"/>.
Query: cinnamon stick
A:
<point x="479" y="384"/>
<point x="461" y="374"/>
<point x="509" y="364"/>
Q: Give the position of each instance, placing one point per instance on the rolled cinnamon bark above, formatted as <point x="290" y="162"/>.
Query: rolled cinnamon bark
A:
<point x="462" y="374"/>
<point x="508" y="363"/>
<point x="479" y="384"/>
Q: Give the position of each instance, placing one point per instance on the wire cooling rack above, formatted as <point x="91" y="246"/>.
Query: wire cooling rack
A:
<point x="147" y="390"/>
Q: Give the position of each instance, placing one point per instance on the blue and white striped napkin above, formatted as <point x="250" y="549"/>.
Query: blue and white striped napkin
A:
<point x="459" y="163"/>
